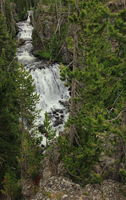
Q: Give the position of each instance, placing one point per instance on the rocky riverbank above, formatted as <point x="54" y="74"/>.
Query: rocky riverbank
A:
<point x="61" y="188"/>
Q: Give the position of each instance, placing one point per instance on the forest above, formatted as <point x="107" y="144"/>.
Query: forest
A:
<point x="75" y="61"/>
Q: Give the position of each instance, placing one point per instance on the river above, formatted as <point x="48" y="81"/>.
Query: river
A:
<point x="54" y="95"/>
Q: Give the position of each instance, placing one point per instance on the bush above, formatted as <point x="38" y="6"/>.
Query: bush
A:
<point x="11" y="186"/>
<point x="79" y="161"/>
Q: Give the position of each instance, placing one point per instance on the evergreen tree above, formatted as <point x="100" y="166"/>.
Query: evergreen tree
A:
<point x="98" y="83"/>
<point x="17" y="110"/>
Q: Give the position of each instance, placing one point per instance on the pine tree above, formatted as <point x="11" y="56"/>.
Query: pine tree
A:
<point x="98" y="83"/>
<point x="17" y="108"/>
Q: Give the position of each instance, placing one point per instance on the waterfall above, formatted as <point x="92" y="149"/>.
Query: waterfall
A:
<point x="54" y="96"/>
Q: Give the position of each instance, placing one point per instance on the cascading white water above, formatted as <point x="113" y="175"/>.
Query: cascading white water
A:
<point x="54" y="95"/>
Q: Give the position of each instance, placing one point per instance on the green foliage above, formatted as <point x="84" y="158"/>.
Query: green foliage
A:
<point x="57" y="24"/>
<point x="17" y="110"/>
<point x="98" y="83"/>
<point x="22" y="7"/>
<point x="8" y="114"/>
<point x="65" y="74"/>
<point x="56" y="42"/>
<point x="7" y="45"/>
<point x="43" y="54"/>
<point x="27" y="98"/>
<point x="48" y="130"/>
<point x="11" y="186"/>
<point x="96" y="38"/>
<point x="79" y="160"/>
<point x="123" y="175"/>
<point x="30" y="156"/>
<point x="53" y="46"/>
<point x="70" y="43"/>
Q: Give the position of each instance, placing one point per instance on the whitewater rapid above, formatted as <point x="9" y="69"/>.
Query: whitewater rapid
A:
<point x="54" y="95"/>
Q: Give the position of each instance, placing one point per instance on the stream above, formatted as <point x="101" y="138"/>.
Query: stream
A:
<point x="54" y="95"/>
